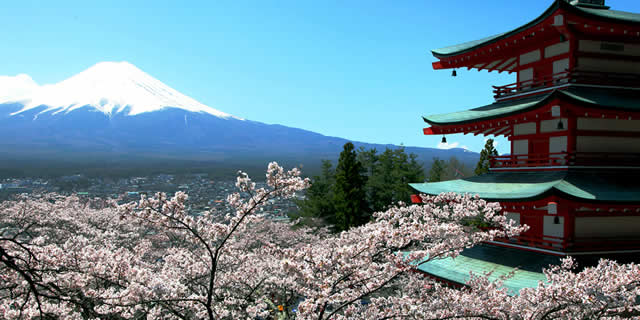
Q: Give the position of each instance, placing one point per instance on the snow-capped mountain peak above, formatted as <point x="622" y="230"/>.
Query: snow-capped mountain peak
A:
<point x="109" y="87"/>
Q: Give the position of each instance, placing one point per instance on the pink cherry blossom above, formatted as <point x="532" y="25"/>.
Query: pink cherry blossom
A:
<point x="68" y="258"/>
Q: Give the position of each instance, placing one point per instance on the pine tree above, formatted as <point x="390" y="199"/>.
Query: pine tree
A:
<point x="349" y="197"/>
<point x="437" y="170"/>
<point x="318" y="198"/>
<point x="392" y="173"/>
<point x="485" y="155"/>
<point x="455" y="169"/>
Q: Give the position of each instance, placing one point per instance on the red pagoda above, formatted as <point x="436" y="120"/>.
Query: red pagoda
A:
<point x="573" y="121"/>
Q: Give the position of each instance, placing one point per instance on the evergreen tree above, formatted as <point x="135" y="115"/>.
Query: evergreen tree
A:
<point x="455" y="169"/>
<point x="392" y="173"/>
<point x="488" y="151"/>
<point x="437" y="170"/>
<point x="318" y="201"/>
<point x="349" y="197"/>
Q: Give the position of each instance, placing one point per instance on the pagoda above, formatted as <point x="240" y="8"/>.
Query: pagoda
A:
<point x="573" y="121"/>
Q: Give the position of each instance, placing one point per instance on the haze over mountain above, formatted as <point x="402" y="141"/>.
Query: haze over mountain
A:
<point x="114" y="114"/>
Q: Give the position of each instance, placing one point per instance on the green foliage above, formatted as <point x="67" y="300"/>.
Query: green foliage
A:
<point x="391" y="173"/>
<point x="455" y="169"/>
<point x="319" y="202"/>
<point x="485" y="154"/>
<point x="349" y="191"/>
<point x="437" y="170"/>
<point x="361" y="184"/>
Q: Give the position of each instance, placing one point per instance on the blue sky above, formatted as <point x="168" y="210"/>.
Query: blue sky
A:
<point x="360" y="70"/>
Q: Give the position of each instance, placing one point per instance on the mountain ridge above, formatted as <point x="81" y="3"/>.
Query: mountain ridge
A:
<point x="122" y="128"/>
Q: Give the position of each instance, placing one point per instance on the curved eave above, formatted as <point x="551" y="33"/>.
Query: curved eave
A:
<point x="620" y="100"/>
<point x="498" y="191"/>
<point x="601" y="14"/>
<point x="617" y="186"/>
<point x="478" y="114"/>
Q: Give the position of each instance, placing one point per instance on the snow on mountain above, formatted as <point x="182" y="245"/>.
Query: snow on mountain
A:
<point x="109" y="87"/>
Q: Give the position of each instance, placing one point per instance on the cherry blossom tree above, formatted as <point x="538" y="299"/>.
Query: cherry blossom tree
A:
<point x="69" y="258"/>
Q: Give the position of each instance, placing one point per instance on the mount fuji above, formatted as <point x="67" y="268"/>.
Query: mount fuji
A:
<point x="114" y="114"/>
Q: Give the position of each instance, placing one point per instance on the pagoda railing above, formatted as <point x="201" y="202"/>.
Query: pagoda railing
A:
<point x="570" y="76"/>
<point x="528" y="85"/>
<point x="589" y="159"/>
<point x="529" y="160"/>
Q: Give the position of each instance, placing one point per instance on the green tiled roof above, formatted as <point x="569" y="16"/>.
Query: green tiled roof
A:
<point x="484" y="259"/>
<point x="606" y="98"/>
<point x="612" y="15"/>
<point x="603" y="14"/>
<point x="491" y="111"/>
<point x="591" y="185"/>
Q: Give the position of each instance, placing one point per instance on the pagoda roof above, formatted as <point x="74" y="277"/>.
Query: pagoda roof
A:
<point x="595" y="185"/>
<point x="602" y="14"/>
<point x="522" y="269"/>
<point x="602" y="98"/>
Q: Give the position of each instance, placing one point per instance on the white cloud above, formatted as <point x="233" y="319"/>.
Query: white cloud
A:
<point x="451" y="145"/>
<point x="16" y="88"/>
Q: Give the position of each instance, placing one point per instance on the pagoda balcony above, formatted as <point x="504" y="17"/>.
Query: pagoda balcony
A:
<point x="564" y="159"/>
<point x="563" y="79"/>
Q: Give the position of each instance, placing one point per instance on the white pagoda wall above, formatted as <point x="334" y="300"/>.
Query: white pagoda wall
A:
<point x="607" y="227"/>
<point x="553" y="229"/>
<point x="608" y="144"/>
<point x="556" y="49"/>
<point x="620" y="48"/>
<point x="524" y="128"/>
<point x="608" y="65"/>
<point x="520" y="146"/>
<point x="597" y="124"/>
<point x="515" y="216"/>
<point x="552" y="125"/>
